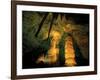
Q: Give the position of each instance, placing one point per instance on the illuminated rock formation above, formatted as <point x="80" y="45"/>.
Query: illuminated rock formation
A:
<point x="53" y="51"/>
<point x="41" y="59"/>
<point x="69" y="52"/>
<point x="51" y="57"/>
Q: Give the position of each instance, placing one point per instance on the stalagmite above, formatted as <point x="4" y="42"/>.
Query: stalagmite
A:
<point x="69" y="52"/>
<point x="53" y="51"/>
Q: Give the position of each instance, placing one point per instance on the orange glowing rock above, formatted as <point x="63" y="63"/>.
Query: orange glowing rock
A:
<point x="69" y="52"/>
<point x="41" y="59"/>
<point x="53" y="52"/>
<point x="70" y="62"/>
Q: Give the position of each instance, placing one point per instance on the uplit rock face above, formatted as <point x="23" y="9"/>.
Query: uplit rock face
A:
<point x="53" y="51"/>
<point x="81" y="35"/>
<point x="69" y="52"/>
<point x="41" y="59"/>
